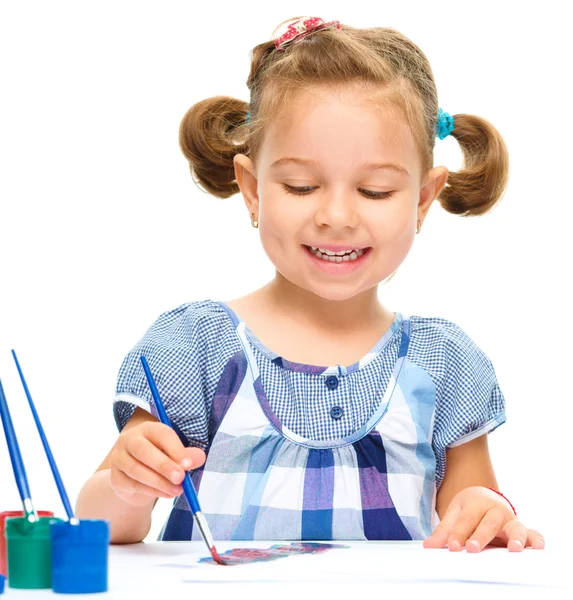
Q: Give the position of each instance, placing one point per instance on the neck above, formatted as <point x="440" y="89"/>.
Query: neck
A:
<point x="359" y="312"/>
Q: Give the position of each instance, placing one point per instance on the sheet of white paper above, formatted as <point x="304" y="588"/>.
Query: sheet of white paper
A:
<point x="374" y="563"/>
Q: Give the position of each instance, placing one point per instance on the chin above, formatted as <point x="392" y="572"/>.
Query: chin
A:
<point x="335" y="296"/>
<point x="333" y="292"/>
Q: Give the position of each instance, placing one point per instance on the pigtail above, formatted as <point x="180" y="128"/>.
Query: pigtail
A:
<point x="478" y="186"/>
<point x="210" y="134"/>
<point x="214" y="130"/>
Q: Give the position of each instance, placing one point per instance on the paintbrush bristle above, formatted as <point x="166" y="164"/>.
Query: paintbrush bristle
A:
<point x="216" y="556"/>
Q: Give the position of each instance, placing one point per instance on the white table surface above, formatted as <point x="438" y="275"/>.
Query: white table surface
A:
<point x="171" y="569"/>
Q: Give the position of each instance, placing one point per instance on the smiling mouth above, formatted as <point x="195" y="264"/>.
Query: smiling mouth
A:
<point x="349" y="256"/>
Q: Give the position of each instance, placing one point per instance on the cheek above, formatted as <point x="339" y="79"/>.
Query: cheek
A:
<point x="399" y="244"/>
<point x="280" y="223"/>
<point x="275" y="234"/>
<point x="402" y="230"/>
<point x="393" y="231"/>
<point x="394" y="220"/>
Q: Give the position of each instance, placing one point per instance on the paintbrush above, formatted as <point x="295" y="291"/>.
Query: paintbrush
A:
<point x="188" y="489"/>
<point x="16" y="458"/>
<point x="59" y="483"/>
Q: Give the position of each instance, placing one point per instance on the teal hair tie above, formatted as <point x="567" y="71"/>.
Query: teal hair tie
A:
<point x="247" y="120"/>
<point x="445" y="124"/>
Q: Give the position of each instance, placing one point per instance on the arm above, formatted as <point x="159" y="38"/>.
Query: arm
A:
<point x="467" y="465"/>
<point x="472" y="515"/>
<point x="97" y="500"/>
<point x="147" y="461"/>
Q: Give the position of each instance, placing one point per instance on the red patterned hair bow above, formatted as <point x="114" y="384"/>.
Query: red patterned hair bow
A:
<point x="300" y="29"/>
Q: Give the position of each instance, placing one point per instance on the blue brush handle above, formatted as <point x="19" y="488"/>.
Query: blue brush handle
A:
<point x="51" y="460"/>
<point x="188" y="489"/>
<point x="15" y="456"/>
<point x="190" y="494"/>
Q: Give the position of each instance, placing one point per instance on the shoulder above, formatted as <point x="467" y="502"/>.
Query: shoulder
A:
<point x="443" y="348"/>
<point x="194" y="339"/>
<point x="197" y="312"/>
<point x="444" y="335"/>
<point x="200" y="317"/>
<point x="197" y="328"/>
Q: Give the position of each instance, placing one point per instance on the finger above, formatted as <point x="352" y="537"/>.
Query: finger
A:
<point x="144" y="451"/>
<point x="515" y="534"/>
<point x="141" y="473"/>
<point x="488" y="527"/>
<point x="164" y="437"/>
<point x="535" y="539"/>
<point x="127" y="488"/>
<point x="196" y="456"/>
<point x="440" y="535"/>
<point x="465" y="525"/>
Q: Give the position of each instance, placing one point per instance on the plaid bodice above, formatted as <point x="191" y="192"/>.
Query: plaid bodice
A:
<point x="271" y="474"/>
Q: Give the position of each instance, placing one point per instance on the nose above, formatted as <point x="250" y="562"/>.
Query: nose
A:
<point x="337" y="208"/>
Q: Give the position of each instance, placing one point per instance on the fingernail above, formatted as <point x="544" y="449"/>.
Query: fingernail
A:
<point x="474" y="544"/>
<point x="176" y="476"/>
<point x="454" y="545"/>
<point x="186" y="463"/>
<point x="519" y="543"/>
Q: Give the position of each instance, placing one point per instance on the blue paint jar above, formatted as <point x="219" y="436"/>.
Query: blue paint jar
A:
<point x="80" y="556"/>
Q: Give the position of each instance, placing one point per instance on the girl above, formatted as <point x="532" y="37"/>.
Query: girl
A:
<point x="307" y="409"/>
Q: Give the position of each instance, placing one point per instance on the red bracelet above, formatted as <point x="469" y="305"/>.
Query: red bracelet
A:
<point x="510" y="504"/>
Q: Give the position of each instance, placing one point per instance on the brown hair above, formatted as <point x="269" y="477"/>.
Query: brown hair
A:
<point x="214" y="130"/>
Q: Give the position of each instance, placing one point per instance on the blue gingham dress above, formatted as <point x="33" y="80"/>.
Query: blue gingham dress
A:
<point x="303" y="452"/>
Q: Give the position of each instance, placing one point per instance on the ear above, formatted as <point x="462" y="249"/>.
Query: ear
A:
<point x="245" y="174"/>
<point x="436" y="179"/>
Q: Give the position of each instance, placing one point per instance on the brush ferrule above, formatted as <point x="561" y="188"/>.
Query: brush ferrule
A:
<point x="204" y="528"/>
<point x="29" y="510"/>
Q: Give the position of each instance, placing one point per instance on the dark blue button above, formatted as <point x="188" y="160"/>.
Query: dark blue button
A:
<point x="332" y="382"/>
<point x="336" y="412"/>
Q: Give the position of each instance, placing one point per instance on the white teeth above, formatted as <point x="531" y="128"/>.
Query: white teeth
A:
<point x="330" y="253"/>
<point x="335" y="257"/>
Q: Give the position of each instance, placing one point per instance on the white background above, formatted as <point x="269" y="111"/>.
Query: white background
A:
<point x="102" y="227"/>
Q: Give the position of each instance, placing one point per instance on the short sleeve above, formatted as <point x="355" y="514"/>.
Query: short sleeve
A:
<point x="173" y="349"/>
<point x="469" y="401"/>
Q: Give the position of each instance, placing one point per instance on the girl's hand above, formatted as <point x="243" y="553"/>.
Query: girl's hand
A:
<point x="149" y="461"/>
<point x="476" y="517"/>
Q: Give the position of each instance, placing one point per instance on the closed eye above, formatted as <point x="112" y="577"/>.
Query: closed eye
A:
<point x="304" y="191"/>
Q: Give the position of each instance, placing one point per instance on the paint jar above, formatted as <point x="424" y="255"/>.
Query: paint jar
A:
<point x="80" y="556"/>
<point x="6" y="515"/>
<point x="29" y="560"/>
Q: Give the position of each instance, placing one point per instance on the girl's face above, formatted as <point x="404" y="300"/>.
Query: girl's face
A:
<point x="325" y="146"/>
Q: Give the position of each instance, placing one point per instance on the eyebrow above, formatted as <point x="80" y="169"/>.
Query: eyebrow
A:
<point x="303" y="161"/>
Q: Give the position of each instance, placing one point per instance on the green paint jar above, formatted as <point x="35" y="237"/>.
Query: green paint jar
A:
<point x="29" y="552"/>
<point x="4" y="516"/>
